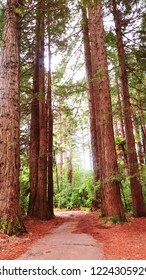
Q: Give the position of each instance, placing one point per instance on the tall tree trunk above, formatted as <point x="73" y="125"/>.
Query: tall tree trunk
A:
<point x="122" y="127"/>
<point x="110" y="185"/>
<point x="143" y="127"/>
<point x="137" y="133"/>
<point x="34" y="135"/>
<point x="56" y="171"/>
<point x="42" y="201"/>
<point x="70" y="165"/>
<point x="42" y="163"/>
<point x="10" y="221"/>
<point x="136" y="188"/>
<point x="60" y="151"/>
<point x="144" y="141"/>
<point x="50" y="139"/>
<point x="93" y="129"/>
<point x="83" y="148"/>
<point x="94" y="62"/>
<point x="120" y="110"/>
<point x="38" y="200"/>
<point x="116" y="129"/>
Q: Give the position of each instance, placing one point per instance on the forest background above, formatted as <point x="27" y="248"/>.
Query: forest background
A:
<point x="82" y="138"/>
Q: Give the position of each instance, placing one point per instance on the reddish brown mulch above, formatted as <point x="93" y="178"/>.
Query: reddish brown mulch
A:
<point x="127" y="241"/>
<point x="120" y="241"/>
<point x="12" y="247"/>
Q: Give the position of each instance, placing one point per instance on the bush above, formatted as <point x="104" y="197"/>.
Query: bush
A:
<point x="125" y="187"/>
<point x="79" y="194"/>
<point x="62" y="198"/>
<point x="24" y="189"/>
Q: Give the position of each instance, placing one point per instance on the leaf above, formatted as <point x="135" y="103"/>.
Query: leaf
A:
<point x="18" y="11"/>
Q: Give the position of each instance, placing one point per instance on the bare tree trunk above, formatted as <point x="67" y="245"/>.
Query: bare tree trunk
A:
<point x="42" y="201"/>
<point x="109" y="177"/>
<point x="139" y="145"/>
<point x="50" y="140"/>
<point x="10" y="220"/>
<point x="120" y="111"/>
<point x="136" y="188"/>
<point x="38" y="206"/>
<point x="70" y="166"/>
<point x="60" y="151"/>
<point x="83" y="148"/>
<point x="116" y="129"/>
<point x="142" y="128"/>
<point x="93" y="130"/>
<point x="34" y="135"/>
<point x="94" y="64"/>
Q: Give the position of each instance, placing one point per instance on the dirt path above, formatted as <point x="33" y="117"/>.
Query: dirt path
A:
<point x="76" y="230"/>
<point x="63" y="243"/>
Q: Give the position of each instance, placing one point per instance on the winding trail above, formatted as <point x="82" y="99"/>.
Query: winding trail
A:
<point x="63" y="244"/>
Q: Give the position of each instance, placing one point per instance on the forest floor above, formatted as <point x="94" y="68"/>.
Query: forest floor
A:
<point x="118" y="241"/>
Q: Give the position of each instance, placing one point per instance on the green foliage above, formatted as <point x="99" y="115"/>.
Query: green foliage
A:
<point x="115" y="219"/>
<point x="62" y="199"/>
<point x="24" y="189"/>
<point x="110" y="39"/>
<point x="119" y="140"/>
<point x="2" y="13"/>
<point x="143" y="179"/>
<point x="126" y="195"/>
<point x="12" y="226"/>
<point x="125" y="186"/>
<point x="79" y="194"/>
<point x="18" y="11"/>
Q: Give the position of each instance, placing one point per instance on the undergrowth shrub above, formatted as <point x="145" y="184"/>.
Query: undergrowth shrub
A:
<point x="78" y="194"/>
<point x="125" y="187"/>
<point x="24" y="189"/>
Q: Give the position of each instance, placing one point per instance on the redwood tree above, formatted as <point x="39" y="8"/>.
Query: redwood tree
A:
<point x="38" y="206"/>
<point x="34" y="131"/>
<point x="110" y="185"/>
<point x="136" y="188"/>
<point x="10" y="221"/>
<point x="89" y="72"/>
<point x="50" y="134"/>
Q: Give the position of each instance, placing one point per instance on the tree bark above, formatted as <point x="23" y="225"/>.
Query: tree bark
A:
<point x="143" y="127"/>
<point x="93" y="129"/>
<point x="50" y="140"/>
<point x="38" y="200"/>
<point x="137" y="133"/>
<point x="60" y="151"/>
<point x="94" y="64"/>
<point x="110" y="186"/>
<point x="136" y="188"/>
<point x="70" y="165"/>
<point x="10" y="220"/>
<point x="120" y="110"/>
<point x="34" y="135"/>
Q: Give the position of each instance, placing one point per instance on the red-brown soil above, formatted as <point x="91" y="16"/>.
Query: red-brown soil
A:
<point x="127" y="241"/>
<point x="120" y="241"/>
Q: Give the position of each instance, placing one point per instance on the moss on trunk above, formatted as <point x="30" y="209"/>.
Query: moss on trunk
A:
<point x="12" y="226"/>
